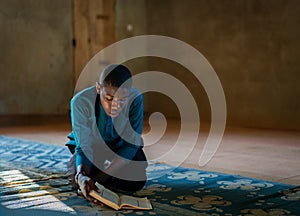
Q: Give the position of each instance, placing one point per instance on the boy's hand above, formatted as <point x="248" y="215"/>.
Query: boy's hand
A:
<point x="86" y="185"/>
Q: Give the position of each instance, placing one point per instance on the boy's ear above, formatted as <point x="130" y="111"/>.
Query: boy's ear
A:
<point x="98" y="88"/>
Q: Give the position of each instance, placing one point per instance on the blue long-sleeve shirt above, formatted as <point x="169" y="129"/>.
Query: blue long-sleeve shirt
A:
<point x="121" y="134"/>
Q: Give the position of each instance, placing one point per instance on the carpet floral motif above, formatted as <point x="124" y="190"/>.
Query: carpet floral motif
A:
<point x="244" y="184"/>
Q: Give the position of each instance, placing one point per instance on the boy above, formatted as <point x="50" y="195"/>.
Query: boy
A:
<point x="106" y="130"/>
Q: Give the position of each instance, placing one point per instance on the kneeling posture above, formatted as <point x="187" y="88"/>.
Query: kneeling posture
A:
<point x="106" y="137"/>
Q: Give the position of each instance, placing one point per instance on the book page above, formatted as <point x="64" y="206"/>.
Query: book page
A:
<point x="106" y="196"/>
<point x="129" y="202"/>
<point x="111" y="196"/>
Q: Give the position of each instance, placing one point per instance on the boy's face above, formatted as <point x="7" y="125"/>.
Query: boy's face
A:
<point x="113" y="99"/>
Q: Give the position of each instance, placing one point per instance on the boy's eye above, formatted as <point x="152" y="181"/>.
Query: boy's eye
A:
<point x="109" y="98"/>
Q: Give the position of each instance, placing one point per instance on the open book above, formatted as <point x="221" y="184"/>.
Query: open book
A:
<point x="117" y="202"/>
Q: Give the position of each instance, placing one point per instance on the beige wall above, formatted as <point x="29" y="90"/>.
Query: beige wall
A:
<point x="253" y="46"/>
<point x="36" y="56"/>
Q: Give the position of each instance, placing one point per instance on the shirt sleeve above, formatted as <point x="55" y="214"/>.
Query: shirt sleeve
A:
<point x="134" y="137"/>
<point x="81" y="120"/>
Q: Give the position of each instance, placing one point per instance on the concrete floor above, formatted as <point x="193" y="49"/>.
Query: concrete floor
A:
<point x="259" y="153"/>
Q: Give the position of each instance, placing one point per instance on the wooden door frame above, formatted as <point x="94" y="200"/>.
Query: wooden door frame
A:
<point x="93" y="30"/>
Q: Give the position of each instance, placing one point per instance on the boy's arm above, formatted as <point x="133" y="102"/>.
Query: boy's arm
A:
<point x="82" y="134"/>
<point x="80" y="117"/>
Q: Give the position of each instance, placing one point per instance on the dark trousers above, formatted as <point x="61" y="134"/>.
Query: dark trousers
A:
<point x="113" y="182"/>
<point x="121" y="184"/>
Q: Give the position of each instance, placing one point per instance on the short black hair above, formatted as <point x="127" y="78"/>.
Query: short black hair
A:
<point x="116" y="75"/>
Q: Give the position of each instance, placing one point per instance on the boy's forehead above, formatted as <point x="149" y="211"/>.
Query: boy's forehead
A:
<point x="112" y="90"/>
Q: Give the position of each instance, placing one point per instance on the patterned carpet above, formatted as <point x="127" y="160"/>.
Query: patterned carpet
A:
<point x="32" y="182"/>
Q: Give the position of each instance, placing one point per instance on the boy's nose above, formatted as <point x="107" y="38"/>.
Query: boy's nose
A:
<point x="115" y="105"/>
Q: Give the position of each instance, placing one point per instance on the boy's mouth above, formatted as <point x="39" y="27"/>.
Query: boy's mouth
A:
<point x="114" y="114"/>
